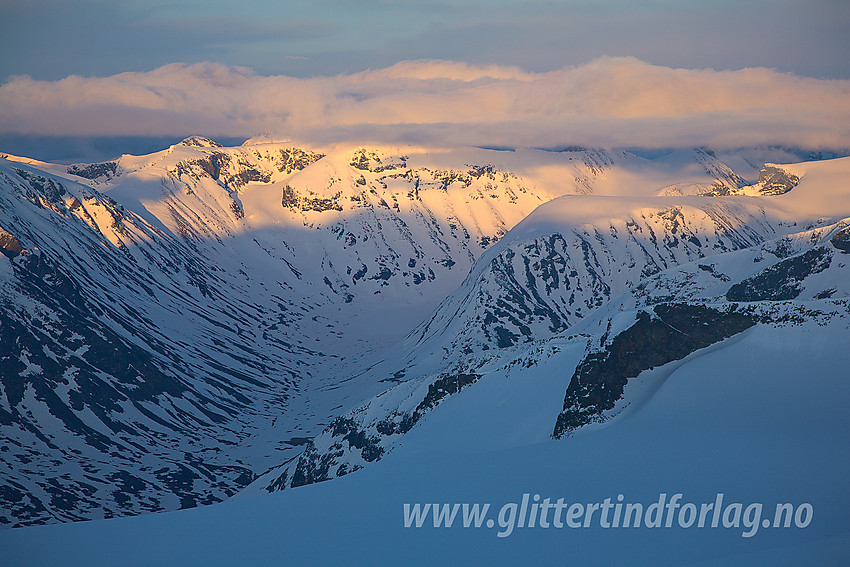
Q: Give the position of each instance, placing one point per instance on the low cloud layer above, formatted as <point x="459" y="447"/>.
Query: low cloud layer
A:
<point x="607" y="102"/>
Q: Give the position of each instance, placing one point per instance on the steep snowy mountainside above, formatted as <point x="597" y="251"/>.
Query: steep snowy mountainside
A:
<point x="804" y="266"/>
<point x="798" y="279"/>
<point x="761" y="420"/>
<point x="176" y="324"/>
<point x="519" y="294"/>
<point x="354" y="226"/>
<point x="123" y="351"/>
<point x="573" y="254"/>
<point x="225" y="298"/>
<point x="566" y="260"/>
<point x="611" y="363"/>
<point x="384" y="222"/>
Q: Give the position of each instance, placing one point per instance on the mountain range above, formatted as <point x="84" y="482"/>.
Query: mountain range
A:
<point x="204" y="322"/>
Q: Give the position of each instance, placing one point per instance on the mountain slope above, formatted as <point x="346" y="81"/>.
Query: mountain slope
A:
<point x="460" y="345"/>
<point x="759" y="420"/>
<point x="175" y="325"/>
<point x="172" y="323"/>
<point x="120" y="356"/>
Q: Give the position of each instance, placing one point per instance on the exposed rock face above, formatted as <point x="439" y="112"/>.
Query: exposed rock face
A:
<point x="782" y="281"/>
<point x="199" y="142"/>
<point x="295" y="159"/>
<point x="671" y="332"/>
<point x="774" y="180"/>
<point x="348" y="439"/>
<point x="841" y="240"/>
<point x="291" y="199"/>
<point x="9" y="245"/>
<point x="95" y="170"/>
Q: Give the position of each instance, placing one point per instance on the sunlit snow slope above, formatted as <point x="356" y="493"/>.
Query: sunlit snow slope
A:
<point x="696" y="271"/>
<point x="178" y="326"/>
<point x="760" y="418"/>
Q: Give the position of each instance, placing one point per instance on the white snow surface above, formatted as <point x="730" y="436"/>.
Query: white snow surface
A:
<point x="247" y="259"/>
<point x="761" y="419"/>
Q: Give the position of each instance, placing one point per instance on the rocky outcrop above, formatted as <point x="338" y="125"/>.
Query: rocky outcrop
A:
<point x="668" y="333"/>
<point x="783" y="280"/>
<point x="841" y="240"/>
<point x="95" y="171"/>
<point x="774" y="180"/>
<point x="350" y="441"/>
<point x="9" y="245"/>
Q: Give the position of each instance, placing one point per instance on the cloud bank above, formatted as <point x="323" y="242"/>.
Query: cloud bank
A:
<point x="607" y="102"/>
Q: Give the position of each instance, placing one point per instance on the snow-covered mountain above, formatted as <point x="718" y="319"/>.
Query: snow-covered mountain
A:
<point x="178" y="326"/>
<point x="645" y="282"/>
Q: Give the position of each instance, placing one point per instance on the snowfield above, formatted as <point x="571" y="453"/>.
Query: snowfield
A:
<point x="311" y="338"/>
<point x="761" y="419"/>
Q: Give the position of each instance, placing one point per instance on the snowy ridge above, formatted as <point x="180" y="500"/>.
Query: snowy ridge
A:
<point x="175" y="325"/>
<point x="539" y="284"/>
<point x="438" y="364"/>
<point x="199" y="297"/>
<point x="800" y="278"/>
<point x="122" y="355"/>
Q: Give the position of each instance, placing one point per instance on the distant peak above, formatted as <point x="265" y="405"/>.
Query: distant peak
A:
<point x="199" y="141"/>
<point x="265" y="138"/>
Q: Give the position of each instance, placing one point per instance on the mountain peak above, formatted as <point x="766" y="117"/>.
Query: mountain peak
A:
<point x="200" y="142"/>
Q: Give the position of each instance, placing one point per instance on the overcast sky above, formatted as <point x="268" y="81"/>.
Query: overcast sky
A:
<point x="268" y="42"/>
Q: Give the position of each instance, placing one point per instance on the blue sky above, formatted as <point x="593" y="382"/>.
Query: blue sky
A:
<point x="50" y="39"/>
